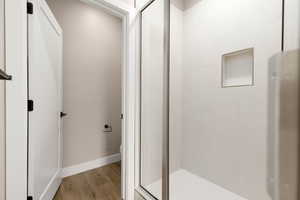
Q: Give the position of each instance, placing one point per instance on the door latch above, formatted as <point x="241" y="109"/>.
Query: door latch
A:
<point x="62" y="114"/>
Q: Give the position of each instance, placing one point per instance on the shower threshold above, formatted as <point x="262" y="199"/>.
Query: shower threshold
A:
<point x="185" y="185"/>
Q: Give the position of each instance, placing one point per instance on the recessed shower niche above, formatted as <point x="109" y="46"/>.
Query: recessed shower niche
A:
<point x="237" y="68"/>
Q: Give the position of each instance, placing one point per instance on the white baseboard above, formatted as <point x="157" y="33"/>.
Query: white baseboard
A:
<point x="52" y="187"/>
<point x="76" y="169"/>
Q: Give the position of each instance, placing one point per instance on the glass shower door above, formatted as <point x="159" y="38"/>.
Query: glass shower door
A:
<point x="153" y="98"/>
<point x="227" y="102"/>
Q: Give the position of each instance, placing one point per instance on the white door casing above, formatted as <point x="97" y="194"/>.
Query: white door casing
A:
<point x="45" y="90"/>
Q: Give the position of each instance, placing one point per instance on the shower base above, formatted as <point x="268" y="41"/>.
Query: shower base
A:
<point x="185" y="185"/>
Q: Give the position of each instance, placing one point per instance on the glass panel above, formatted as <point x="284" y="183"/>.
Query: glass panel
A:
<point x="232" y="143"/>
<point x="152" y="95"/>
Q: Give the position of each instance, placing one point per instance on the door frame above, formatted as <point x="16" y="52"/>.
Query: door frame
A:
<point x="17" y="94"/>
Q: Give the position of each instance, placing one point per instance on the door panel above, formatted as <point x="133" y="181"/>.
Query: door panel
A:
<point x="45" y="80"/>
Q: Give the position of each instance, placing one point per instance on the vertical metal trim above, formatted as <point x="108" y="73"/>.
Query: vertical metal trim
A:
<point x="166" y="104"/>
<point x="140" y="103"/>
<point x="283" y="25"/>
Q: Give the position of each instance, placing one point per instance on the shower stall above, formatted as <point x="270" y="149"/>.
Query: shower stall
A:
<point x="219" y="100"/>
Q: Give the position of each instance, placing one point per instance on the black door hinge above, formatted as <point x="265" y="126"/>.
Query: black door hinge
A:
<point x="30" y="8"/>
<point x="29" y="198"/>
<point x="30" y="105"/>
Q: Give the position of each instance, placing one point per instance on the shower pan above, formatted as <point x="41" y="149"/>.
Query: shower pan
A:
<point x="219" y="95"/>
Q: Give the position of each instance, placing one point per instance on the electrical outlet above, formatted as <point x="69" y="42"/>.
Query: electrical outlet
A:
<point x="107" y="128"/>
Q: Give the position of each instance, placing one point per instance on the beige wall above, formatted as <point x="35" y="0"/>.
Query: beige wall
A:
<point x="92" y="80"/>
<point x="2" y="108"/>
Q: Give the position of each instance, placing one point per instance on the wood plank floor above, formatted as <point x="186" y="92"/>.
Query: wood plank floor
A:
<point x="99" y="184"/>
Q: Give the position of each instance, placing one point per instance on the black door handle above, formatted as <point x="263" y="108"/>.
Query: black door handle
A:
<point x="4" y="76"/>
<point x="62" y="114"/>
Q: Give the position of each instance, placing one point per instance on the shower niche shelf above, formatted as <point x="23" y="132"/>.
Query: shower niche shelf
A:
<point x="237" y="68"/>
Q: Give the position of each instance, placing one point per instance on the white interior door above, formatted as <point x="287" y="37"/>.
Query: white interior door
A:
<point x="45" y="89"/>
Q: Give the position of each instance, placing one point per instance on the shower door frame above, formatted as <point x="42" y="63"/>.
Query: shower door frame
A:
<point x="166" y="94"/>
<point x="165" y="144"/>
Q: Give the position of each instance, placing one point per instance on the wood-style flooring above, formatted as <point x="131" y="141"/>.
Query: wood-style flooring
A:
<point x="103" y="183"/>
